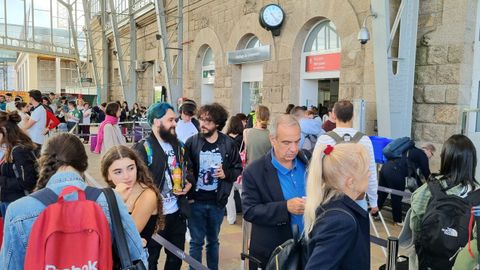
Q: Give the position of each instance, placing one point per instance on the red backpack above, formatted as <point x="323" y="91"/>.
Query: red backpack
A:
<point x="69" y="234"/>
<point x="52" y="120"/>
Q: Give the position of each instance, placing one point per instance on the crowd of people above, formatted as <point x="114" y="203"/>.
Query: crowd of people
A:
<point x="308" y="171"/>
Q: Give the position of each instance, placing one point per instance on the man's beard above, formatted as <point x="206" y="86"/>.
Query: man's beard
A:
<point x="168" y="135"/>
<point x="207" y="134"/>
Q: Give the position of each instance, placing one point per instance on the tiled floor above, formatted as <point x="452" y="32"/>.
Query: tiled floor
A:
<point x="231" y="235"/>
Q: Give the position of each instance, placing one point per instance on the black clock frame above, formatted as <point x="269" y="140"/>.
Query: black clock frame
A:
<point x="274" y="29"/>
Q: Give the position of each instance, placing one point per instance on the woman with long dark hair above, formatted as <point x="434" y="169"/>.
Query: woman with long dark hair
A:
<point x="135" y="113"/>
<point x="18" y="174"/>
<point x="123" y="170"/>
<point x="62" y="163"/>
<point x="234" y="131"/>
<point x="458" y="161"/>
<point x="109" y="133"/>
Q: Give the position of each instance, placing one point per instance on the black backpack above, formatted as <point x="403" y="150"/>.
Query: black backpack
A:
<point x="444" y="228"/>
<point x="293" y="253"/>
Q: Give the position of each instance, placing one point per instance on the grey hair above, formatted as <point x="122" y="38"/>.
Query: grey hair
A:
<point x="283" y="119"/>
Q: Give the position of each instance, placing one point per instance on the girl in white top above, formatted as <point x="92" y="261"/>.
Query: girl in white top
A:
<point x="22" y="109"/>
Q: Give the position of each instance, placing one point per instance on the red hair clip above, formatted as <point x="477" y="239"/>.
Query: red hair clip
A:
<point x="328" y="150"/>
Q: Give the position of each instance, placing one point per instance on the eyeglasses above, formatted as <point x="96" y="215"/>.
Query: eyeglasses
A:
<point x="206" y="120"/>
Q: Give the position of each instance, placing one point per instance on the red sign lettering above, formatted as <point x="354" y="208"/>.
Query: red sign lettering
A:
<point x="322" y="62"/>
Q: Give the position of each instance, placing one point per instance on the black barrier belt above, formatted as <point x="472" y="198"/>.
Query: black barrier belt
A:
<point x="395" y="192"/>
<point x="179" y="253"/>
<point x="378" y="241"/>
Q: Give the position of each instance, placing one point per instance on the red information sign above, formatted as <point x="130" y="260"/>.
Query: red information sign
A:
<point x="323" y="62"/>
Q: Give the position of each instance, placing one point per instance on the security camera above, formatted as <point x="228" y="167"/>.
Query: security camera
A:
<point x="363" y="35"/>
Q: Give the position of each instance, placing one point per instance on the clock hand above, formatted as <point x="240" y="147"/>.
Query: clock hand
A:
<point x="273" y="15"/>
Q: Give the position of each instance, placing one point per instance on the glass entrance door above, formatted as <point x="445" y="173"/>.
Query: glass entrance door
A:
<point x="250" y="96"/>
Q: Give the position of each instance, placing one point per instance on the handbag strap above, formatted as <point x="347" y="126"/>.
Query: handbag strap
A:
<point x="118" y="231"/>
<point x="241" y="146"/>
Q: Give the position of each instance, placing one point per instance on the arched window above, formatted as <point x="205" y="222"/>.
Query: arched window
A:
<point x="323" y="38"/>
<point x="253" y="42"/>
<point x="208" y="58"/>
<point x="208" y="67"/>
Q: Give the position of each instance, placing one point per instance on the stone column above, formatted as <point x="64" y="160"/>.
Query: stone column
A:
<point x="58" y="75"/>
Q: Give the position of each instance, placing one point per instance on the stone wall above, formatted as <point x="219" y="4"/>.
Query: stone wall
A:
<point x="443" y="69"/>
<point x="442" y="77"/>
<point x="223" y="25"/>
<point x="47" y="74"/>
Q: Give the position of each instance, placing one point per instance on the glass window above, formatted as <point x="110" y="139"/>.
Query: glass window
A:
<point x="208" y="58"/>
<point x="253" y="43"/>
<point x="323" y="38"/>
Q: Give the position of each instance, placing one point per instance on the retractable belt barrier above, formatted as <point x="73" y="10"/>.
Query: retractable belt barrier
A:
<point x="395" y="192"/>
<point x="378" y="241"/>
<point x="179" y="253"/>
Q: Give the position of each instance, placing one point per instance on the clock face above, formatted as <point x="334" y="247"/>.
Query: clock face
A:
<point x="273" y="15"/>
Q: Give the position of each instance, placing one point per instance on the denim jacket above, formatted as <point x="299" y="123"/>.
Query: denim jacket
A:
<point x="22" y="213"/>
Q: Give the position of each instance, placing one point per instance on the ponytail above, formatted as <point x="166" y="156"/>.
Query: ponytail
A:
<point x="327" y="173"/>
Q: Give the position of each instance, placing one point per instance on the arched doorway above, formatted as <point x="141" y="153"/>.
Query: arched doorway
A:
<point x="251" y="78"/>
<point x="208" y="77"/>
<point x="320" y="66"/>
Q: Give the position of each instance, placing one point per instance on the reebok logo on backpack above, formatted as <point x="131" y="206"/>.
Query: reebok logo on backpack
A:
<point x="72" y="235"/>
<point x="444" y="229"/>
<point x="89" y="266"/>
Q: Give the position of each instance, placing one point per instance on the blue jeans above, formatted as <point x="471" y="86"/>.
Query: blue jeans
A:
<point x="205" y="221"/>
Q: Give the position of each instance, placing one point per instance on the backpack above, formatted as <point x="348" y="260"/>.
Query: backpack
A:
<point x="310" y="142"/>
<point x="397" y="147"/>
<point x="347" y="138"/>
<point x="69" y="234"/>
<point x="52" y="120"/>
<point x="444" y="227"/>
<point x="293" y="253"/>
<point x="148" y="150"/>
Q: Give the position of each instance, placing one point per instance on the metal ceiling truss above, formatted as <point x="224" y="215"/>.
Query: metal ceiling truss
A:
<point x="173" y="85"/>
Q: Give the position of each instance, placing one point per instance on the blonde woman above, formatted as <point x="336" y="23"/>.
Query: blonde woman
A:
<point x="336" y="222"/>
<point x="256" y="139"/>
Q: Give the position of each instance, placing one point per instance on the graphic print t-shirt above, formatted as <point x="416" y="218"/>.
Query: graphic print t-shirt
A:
<point x="170" y="205"/>
<point x="210" y="158"/>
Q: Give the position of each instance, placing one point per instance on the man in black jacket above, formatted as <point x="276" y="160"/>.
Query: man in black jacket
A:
<point x="393" y="174"/>
<point x="215" y="163"/>
<point x="274" y="190"/>
<point x="164" y="156"/>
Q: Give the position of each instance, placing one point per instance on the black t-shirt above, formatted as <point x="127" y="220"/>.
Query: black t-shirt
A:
<point x="207" y="185"/>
